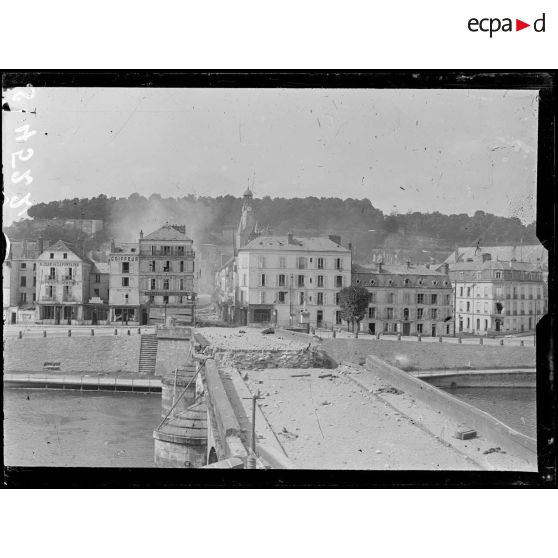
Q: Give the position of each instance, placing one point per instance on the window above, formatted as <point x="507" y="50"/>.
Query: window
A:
<point x="125" y="281"/>
<point x="320" y="299"/>
<point x="301" y="262"/>
<point x="372" y="312"/>
<point x="461" y="275"/>
<point x="386" y="327"/>
<point x="434" y="313"/>
<point x="320" y="263"/>
<point x="301" y="298"/>
<point x="339" y="280"/>
<point x="261" y="278"/>
<point x="460" y="291"/>
<point x="23" y="298"/>
<point x="153" y="285"/>
<point x="181" y="267"/>
<point x="152" y="266"/>
<point x="300" y="280"/>
<point x="244" y="279"/>
<point x="125" y="267"/>
<point x="406" y="298"/>
<point x="34" y="297"/>
<point x="371" y="298"/>
<point x="51" y="256"/>
<point x="390" y="298"/>
<point x="389" y="313"/>
<point x="34" y="281"/>
<point x="338" y="263"/>
<point x="282" y="262"/>
<point x="406" y="281"/>
<point x="65" y="255"/>
<point x="23" y="265"/>
<point x="406" y="314"/>
<point x="23" y="281"/>
<point x="468" y="309"/>
<point x="180" y="250"/>
<point x="420" y="298"/>
<point x="320" y="281"/>
<point x="338" y="317"/>
<point x="50" y="291"/>
<point x="337" y="299"/>
<point x="434" y="299"/>
<point x="69" y="276"/>
<point x="420" y="312"/>
<point x="165" y="284"/>
<point x="282" y="298"/>
<point x="166" y="267"/>
<point x="181" y="284"/>
<point x="485" y="325"/>
<point x="281" y="280"/>
<point x="262" y="297"/>
<point x="125" y="299"/>
<point x="34" y="267"/>
<point x="166" y="299"/>
<point x="419" y="328"/>
<point x="261" y="262"/>
<point x="166" y="250"/>
<point x="95" y="291"/>
<point x="151" y="299"/>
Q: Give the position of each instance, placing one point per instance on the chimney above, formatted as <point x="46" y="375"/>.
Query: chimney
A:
<point x="426" y="265"/>
<point x="112" y="245"/>
<point x="290" y="238"/>
<point x="486" y="257"/>
<point x="409" y="264"/>
<point x="40" y="244"/>
<point x="380" y="264"/>
<point x="141" y="235"/>
<point x="445" y="267"/>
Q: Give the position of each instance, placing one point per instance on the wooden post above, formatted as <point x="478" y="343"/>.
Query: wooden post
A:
<point x="69" y="333"/>
<point x="92" y="332"/>
<point x="44" y="332"/>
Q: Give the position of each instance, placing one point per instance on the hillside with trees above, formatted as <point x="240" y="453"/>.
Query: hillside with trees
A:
<point x="357" y="221"/>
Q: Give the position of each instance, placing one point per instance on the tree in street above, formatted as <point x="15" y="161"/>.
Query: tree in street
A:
<point x="353" y="302"/>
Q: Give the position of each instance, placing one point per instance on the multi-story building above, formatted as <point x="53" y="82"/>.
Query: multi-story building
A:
<point x="7" y="315"/>
<point x="279" y="276"/>
<point x="405" y="299"/>
<point x="166" y="274"/>
<point x="22" y="289"/>
<point x="63" y="286"/>
<point x="124" y="293"/>
<point x="492" y="297"/>
<point x="225" y="290"/>
<point x="208" y="259"/>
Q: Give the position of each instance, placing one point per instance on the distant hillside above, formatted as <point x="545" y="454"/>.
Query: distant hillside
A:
<point x="421" y="235"/>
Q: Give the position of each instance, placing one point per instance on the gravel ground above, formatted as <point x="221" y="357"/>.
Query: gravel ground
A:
<point x="248" y="339"/>
<point x="330" y="423"/>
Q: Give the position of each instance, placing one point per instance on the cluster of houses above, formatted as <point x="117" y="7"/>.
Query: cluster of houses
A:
<point x="288" y="280"/>
<point x="281" y="280"/>
<point x="139" y="283"/>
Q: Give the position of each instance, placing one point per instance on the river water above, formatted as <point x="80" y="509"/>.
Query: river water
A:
<point x="516" y="407"/>
<point x="60" y="428"/>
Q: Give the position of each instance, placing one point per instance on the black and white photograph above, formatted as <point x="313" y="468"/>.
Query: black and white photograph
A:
<point x="293" y="275"/>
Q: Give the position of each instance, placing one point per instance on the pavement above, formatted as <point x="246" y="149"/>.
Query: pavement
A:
<point x="247" y="338"/>
<point x="325" y="420"/>
<point x="36" y="331"/>
<point x="512" y="340"/>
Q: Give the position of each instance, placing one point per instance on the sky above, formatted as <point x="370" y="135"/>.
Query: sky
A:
<point x="453" y="151"/>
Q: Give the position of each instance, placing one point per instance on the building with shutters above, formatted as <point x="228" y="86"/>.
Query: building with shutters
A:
<point x="497" y="297"/>
<point x="124" y="292"/>
<point x="166" y="275"/>
<point x="406" y="299"/>
<point x="277" y="277"/>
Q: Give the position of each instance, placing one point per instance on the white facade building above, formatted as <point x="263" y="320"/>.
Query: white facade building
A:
<point x="279" y="276"/>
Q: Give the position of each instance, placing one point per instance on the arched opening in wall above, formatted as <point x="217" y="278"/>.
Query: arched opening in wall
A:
<point x="212" y="456"/>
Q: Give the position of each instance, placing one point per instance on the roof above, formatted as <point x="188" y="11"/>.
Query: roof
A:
<point x="61" y="246"/>
<point x="395" y="269"/>
<point x="300" y="243"/>
<point x="527" y="253"/>
<point x="99" y="267"/>
<point x="167" y="232"/>
<point x="493" y="264"/>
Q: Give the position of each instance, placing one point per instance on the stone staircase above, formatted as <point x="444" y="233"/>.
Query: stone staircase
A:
<point x="148" y="354"/>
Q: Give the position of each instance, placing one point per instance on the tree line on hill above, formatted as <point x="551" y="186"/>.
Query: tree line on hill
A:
<point x="356" y="220"/>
